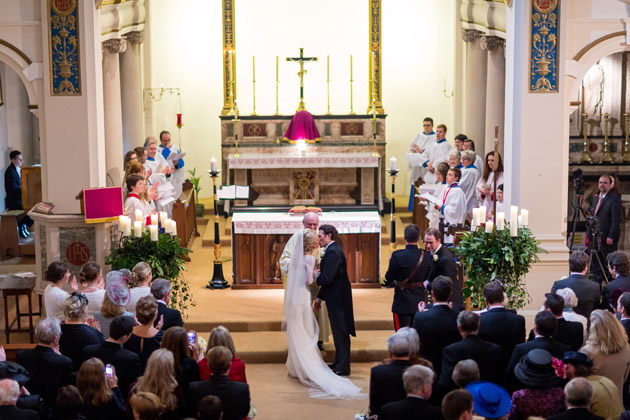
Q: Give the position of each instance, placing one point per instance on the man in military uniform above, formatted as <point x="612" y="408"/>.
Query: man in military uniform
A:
<point x="408" y="269"/>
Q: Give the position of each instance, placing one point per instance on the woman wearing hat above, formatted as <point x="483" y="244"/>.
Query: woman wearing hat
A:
<point x="116" y="297"/>
<point x="543" y="396"/>
<point x="489" y="400"/>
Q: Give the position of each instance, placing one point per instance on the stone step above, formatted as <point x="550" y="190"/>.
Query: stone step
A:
<point x="271" y="346"/>
<point x="276" y="325"/>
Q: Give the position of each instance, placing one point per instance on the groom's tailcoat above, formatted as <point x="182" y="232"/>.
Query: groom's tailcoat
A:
<point x="335" y="288"/>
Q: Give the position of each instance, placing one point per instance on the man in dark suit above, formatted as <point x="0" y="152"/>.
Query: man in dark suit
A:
<point x="336" y="292"/>
<point x="161" y="291"/>
<point x="437" y="326"/>
<point x="587" y="291"/>
<point x="619" y="267"/>
<point x="233" y="395"/>
<point x="486" y="354"/>
<point x="386" y="380"/>
<point x="13" y="188"/>
<point x="408" y="268"/>
<point x="457" y="405"/>
<point x="499" y="325"/>
<point x="9" y="394"/>
<point x="127" y="363"/>
<point x="606" y="208"/>
<point x="49" y="370"/>
<point x="544" y="328"/>
<point x="443" y="265"/>
<point x="578" y="396"/>
<point x="418" y="381"/>
<point x="567" y="332"/>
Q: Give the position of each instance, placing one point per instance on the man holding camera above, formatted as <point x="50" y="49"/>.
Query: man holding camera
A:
<point x="606" y="208"/>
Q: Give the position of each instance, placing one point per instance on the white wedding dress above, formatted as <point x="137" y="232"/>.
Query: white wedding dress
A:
<point x="304" y="360"/>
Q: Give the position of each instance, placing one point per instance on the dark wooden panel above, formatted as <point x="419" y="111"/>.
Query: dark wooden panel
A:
<point x="254" y="130"/>
<point x="352" y="128"/>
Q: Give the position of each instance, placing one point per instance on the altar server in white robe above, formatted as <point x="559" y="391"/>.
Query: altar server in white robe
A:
<point x="166" y="148"/>
<point x="469" y="144"/>
<point x="470" y="176"/>
<point x="485" y="185"/>
<point x="160" y="172"/>
<point x="422" y="140"/>
<point x="435" y="153"/>
<point x="453" y="199"/>
<point x="137" y="186"/>
<point x="310" y="221"/>
<point x="434" y="214"/>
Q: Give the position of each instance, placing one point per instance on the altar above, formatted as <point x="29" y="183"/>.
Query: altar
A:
<point x="258" y="240"/>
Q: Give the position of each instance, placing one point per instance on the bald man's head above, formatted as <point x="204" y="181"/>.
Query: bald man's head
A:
<point x="9" y="392"/>
<point x="311" y="221"/>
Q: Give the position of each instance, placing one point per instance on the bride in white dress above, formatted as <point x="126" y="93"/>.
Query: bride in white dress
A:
<point x="305" y="360"/>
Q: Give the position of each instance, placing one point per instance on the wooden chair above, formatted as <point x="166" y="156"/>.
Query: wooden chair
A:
<point x="184" y="214"/>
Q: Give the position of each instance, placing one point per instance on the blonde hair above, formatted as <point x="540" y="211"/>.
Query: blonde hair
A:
<point x="220" y="336"/>
<point x="607" y="333"/>
<point x="74" y="305"/>
<point x="146" y="309"/>
<point x="310" y="236"/>
<point x="92" y="384"/>
<point x="159" y="378"/>
<point x="140" y="273"/>
<point x="109" y="309"/>
<point x="147" y="405"/>
<point x="570" y="299"/>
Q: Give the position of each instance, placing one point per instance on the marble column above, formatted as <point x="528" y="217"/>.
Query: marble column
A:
<point x="114" y="153"/>
<point x="537" y="151"/>
<point x="476" y="66"/>
<point x="131" y="92"/>
<point x="495" y="89"/>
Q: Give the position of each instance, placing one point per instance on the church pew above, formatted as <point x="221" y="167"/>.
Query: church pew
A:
<point x="184" y="214"/>
<point x="12" y="349"/>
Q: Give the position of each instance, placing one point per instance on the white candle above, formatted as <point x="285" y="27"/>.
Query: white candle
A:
<point x="163" y="218"/>
<point x="213" y="164"/>
<point x="514" y="228"/>
<point x="137" y="229"/>
<point x="138" y="215"/>
<point x="127" y="227"/>
<point x="392" y="164"/>
<point x="524" y="217"/>
<point x="173" y="227"/>
<point x="154" y="219"/>
<point x="520" y="220"/>
<point x="513" y="214"/>
<point x="121" y="219"/>
<point x="489" y="226"/>
<point x="482" y="214"/>
<point x="476" y="216"/>
<point x="500" y="220"/>
<point x="154" y="232"/>
<point x="167" y="226"/>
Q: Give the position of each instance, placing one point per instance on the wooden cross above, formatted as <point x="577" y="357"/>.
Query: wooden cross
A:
<point x="301" y="59"/>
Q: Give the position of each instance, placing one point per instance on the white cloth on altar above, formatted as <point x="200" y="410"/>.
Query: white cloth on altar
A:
<point x="487" y="199"/>
<point x="435" y="153"/>
<point x="468" y="183"/>
<point x="423" y="141"/>
<point x="291" y="159"/>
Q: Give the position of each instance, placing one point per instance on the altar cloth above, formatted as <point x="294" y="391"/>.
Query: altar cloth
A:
<point x="309" y="160"/>
<point x="283" y="223"/>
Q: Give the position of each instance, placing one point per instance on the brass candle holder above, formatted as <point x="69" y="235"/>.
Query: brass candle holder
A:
<point x="606" y="156"/>
<point x="586" y="156"/>
<point x="626" y="151"/>
<point x="236" y="120"/>
<point x="218" y="280"/>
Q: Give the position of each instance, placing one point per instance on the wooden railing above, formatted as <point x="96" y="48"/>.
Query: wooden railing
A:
<point x="184" y="214"/>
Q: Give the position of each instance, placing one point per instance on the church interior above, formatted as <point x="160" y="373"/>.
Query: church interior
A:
<point x="228" y="79"/>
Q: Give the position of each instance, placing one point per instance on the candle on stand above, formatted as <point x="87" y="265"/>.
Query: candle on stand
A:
<point x="524" y="217"/>
<point x="154" y="232"/>
<point x="277" y="68"/>
<point x="138" y="215"/>
<point x="167" y="226"/>
<point x="489" y="226"/>
<point x="514" y="227"/>
<point x="173" y="227"/>
<point x="513" y="214"/>
<point x="213" y="164"/>
<point x="476" y="216"/>
<point x="137" y="229"/>
<point x="392" y="164"/>
<point x="127" y="227"/>
<point x="500" y="220"/>
<point x="482" y="214"/>
<point x="121" y="219"/>
<point x="163" y="218"/>
<point x="520" y="220"/>
<point x="154" y="219"/>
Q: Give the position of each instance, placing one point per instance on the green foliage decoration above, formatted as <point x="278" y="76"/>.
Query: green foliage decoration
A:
<point x="489" y="255"/>
<point x="196" y="183"/>
<point x="166" y="259"/>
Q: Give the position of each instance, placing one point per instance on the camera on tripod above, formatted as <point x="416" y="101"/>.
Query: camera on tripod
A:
<point x="578" y="182"/>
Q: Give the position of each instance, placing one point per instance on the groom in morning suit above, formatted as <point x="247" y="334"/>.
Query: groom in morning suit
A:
<point x="336" y="292"/>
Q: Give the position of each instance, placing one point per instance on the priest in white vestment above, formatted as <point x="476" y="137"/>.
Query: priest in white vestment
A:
<point x="468" y="183"/>
<point x="436" y="152"/>
<point x="167" y="149"/>
<point x="310" y="221"/>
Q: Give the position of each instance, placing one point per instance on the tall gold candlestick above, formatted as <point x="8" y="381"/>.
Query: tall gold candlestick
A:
<point x="277" y="82"/>
<point x="626" y="150"/>
<point x="606" y="156"/>
<point x="586" y="157"/>
<point x="351" y="92"/>
<point x="328" y="82"/>
<point x="254" y="84"/>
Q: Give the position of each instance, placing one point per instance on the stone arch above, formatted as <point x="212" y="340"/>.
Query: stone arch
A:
<point x="17" y="60"/>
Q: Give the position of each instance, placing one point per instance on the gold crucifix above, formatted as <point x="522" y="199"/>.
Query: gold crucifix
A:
<point x="301" y="59"/>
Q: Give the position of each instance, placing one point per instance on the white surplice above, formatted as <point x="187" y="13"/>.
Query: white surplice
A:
<point x="468" y="184"/>
<point x="454" y="205"/>
<point x="436" y="152"/>
<point x="486" y="200"/>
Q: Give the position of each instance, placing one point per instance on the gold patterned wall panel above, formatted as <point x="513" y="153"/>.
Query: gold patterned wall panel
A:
<point x="64" y="47"/>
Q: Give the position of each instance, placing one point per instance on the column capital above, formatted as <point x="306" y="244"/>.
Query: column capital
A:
<point x="469" y="35"/>
<point x="491" y="43"/>
<point x="115" y="46"/>
<point x="136" y="37"/>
